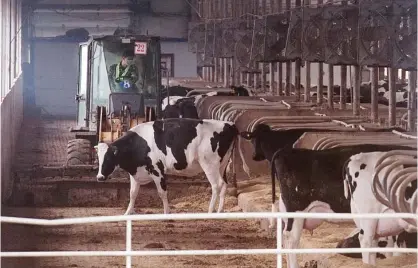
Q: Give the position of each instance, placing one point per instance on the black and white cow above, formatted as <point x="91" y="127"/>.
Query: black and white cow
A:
<point x="150" y="151"/>
<point x="358" y="177"/>
<point x="403" y="240"/>
<point x="311" y="181"/>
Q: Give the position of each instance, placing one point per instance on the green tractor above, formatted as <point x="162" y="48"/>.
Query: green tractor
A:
<point x="119" y="86"/>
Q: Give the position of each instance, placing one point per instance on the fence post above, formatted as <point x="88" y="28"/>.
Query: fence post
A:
<point x="279" y="242"/>
<point x="129" y="243"/>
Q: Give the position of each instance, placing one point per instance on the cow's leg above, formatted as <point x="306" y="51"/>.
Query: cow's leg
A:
<point x="291" y="239"/>
<point x="161" y="184"/>
<point x="214" y="176"/>
<point x="222" y="186"/>
<point x="133" y="193"/>
<point x="367" y="240"/>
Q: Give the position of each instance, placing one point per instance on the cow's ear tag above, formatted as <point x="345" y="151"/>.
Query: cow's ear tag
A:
<point x="115" y="150"/>
<point x="246" y="135"/>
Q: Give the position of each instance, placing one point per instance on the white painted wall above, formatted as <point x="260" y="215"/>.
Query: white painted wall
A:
<point x="184" y="61"/>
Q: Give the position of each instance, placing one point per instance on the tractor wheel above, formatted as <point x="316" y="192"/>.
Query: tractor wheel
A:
<point x="79" y="152"/>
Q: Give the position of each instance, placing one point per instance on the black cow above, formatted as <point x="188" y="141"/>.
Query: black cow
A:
<point x="183" y="108"/>
<point x="240" y="91"/>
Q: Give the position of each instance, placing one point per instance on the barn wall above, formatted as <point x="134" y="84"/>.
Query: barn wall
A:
<point x="10" y="89"/>
<point x="11" y="121"/>
<point x="184" y="61"/>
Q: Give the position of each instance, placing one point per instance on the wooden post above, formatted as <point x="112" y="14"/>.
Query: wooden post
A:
<point x="255" y="81"/>
<point x="356" y="92"/>
<point x="226" y="72"/>
<point x="412" y="101"/>
<point x="330" y="92"/>
<point x="343" y="88"/>
<point x="249" y="84"/>
<point x="392" y="96"/>
<point x="374" y="96"/>
<point x="271" y="77"/>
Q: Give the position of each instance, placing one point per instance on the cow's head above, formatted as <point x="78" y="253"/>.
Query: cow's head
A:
<point x="259" y="134"/>
<point x="107" y="156"/>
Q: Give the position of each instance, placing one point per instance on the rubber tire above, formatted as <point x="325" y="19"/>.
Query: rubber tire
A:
<point x="79" y="152"/>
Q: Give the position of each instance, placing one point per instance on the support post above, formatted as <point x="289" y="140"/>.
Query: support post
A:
<point x="216" y="76"/>
<point x="226" y="72"/>
<point x="232" y="72"/>
<point x="288" y="76"/>
<point x="343" y="88"/>
<point x="320" y="89"/>
<point x="356" y="92"/>
<point x="412" y="101"/>
<point x="330" y="91"/>
<point x="263" y="77"/>
<point x="374" y="94"/>
<point x="280" y="79"/>
<point x="271" y="77"/>
<point x="392" y="96"/>
<point x="307" y="91"/>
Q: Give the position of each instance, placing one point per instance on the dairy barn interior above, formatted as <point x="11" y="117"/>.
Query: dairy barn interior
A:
<point x="78" y="73"/>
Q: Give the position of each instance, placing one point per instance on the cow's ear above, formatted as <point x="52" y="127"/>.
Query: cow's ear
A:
<point x="246" y="135"/>
<point x="114" y="149"/>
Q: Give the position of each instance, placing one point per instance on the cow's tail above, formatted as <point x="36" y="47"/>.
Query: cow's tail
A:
<point x="274" y="207"/>
<point x="241" y="154"/>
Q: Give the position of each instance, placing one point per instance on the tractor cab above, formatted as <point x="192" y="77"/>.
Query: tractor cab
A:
<point x="119" y="87"/>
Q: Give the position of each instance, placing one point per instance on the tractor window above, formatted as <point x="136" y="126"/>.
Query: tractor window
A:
<point x="99" y="80"/>
<point x="125" y="71"/>
<point x="129" y="72"/>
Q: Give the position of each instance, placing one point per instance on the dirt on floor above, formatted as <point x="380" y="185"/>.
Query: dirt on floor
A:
<point x="158" y="235"/>
<point x="167" y="235"/>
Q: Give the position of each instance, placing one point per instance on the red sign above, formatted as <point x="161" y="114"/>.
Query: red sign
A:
<point x="141" y="48"/>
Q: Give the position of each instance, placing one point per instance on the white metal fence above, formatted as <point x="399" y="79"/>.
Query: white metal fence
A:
<point x="128" y="253"/>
